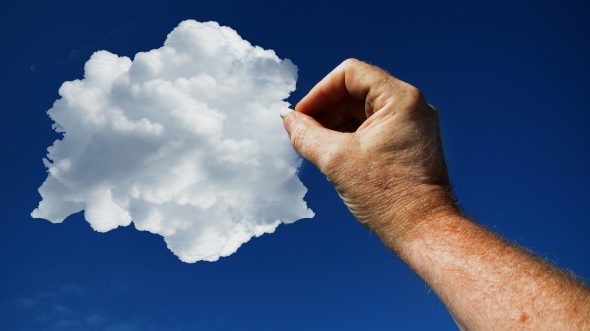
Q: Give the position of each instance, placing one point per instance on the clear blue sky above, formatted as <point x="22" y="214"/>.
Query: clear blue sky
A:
<point x="511" y="80"/>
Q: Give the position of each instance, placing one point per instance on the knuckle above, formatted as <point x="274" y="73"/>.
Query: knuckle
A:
<point x="412" y="95"/>
<point x="354" y="64"/>
<point x="351" y="62"/>
<point x="413" y="105"/>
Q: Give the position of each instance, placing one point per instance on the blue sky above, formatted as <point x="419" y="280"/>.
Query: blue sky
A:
<point x="510" y="79"/>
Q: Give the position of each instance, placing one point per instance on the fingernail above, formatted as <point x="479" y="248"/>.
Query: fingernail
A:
<point x="288" y="120"/>
<point x="285" y="112"/>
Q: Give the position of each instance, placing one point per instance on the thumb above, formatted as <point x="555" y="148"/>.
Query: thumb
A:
<point x="313" y="141"/>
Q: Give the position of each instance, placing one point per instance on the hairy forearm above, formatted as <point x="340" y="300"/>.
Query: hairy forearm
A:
<point x="388" y="166"/>
<point x="488" y="283"/>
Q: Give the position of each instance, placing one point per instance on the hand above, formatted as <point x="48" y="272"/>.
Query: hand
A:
<point x="378" y="141"/>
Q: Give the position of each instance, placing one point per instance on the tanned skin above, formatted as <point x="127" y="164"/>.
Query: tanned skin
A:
<point x="377" y="141"/>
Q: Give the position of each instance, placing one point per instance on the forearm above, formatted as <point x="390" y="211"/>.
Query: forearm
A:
<point x="388" y="166"/>
<point x="487" y="283"/>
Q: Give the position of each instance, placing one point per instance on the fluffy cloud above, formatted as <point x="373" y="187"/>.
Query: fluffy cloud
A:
<point x="184" y="141"/>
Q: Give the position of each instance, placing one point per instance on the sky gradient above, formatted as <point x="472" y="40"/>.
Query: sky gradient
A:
<point x="510" y="80"/>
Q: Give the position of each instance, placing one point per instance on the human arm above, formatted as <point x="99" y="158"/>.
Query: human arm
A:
<point x="377" y="140"/>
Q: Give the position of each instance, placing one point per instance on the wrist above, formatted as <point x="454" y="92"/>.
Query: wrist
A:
<point x="411" y="212"/>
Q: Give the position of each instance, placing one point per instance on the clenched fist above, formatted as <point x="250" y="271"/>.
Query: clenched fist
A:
<point x="378" y="141"/>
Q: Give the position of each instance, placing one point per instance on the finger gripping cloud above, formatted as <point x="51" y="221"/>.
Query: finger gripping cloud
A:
<point x="184" y="141"/>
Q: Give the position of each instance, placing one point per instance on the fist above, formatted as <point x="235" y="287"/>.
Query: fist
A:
<point x="378" y="142"/>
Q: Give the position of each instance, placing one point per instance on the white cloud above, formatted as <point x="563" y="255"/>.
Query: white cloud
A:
<point x="184" y="141"/>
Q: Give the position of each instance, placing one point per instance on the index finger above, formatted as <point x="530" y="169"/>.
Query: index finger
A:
<point x="352" y="78"/>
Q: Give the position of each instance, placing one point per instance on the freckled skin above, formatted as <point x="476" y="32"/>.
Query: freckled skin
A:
<point x="378" y="142"/>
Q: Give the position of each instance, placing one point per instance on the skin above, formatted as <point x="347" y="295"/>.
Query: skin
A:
<point x="378" y="142"/>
